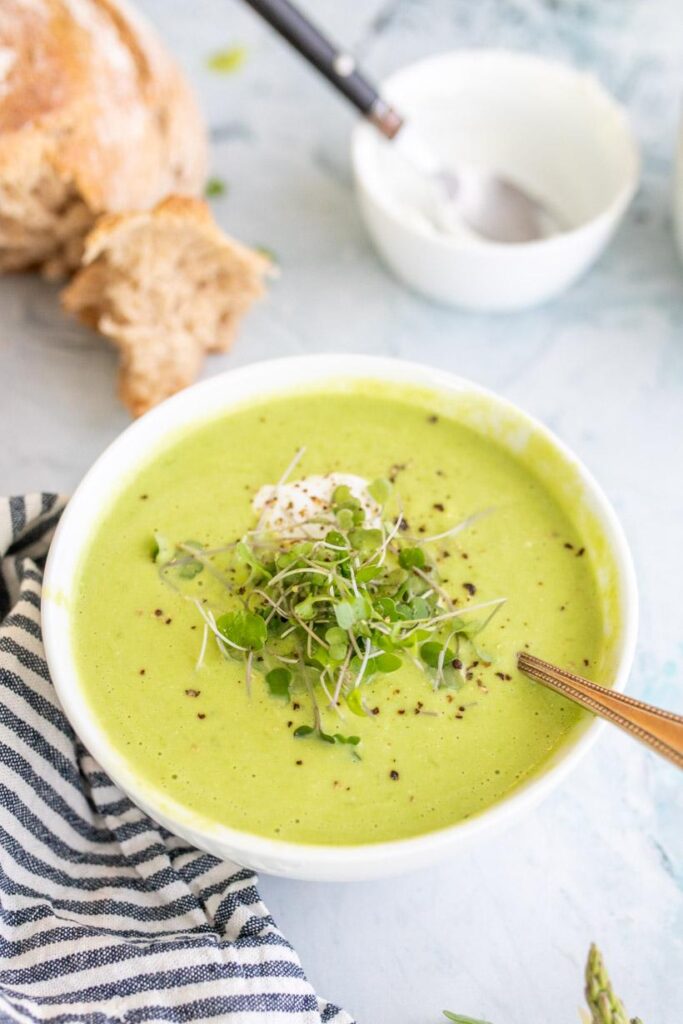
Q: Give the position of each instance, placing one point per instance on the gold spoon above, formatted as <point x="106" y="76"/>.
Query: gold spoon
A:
<point x="661" y="730"/>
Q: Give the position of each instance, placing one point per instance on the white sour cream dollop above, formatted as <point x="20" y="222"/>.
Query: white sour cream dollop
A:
<point x="284" y="508"/>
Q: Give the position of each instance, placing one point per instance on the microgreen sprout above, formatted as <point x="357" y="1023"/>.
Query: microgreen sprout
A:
<point x="323" y="619"/>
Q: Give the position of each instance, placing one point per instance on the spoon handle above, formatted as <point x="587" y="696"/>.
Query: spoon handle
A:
<point x="661" y="730"/>
<point x="335" y="64"/>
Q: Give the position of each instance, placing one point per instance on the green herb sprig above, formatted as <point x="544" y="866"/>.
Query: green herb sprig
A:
<point x="330" y="607"/>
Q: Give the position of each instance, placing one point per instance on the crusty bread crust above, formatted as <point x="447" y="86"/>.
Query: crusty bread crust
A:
<point x="95" y="116"/>
<point x="166" y="286"/>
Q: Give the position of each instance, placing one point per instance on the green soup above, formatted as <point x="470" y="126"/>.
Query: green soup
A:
<point x="427" y="758"/>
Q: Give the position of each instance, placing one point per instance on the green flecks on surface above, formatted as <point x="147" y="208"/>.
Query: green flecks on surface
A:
<point x="227" y="61"/>
<point x="215" y="187"/>
<point x="269" y="254"/>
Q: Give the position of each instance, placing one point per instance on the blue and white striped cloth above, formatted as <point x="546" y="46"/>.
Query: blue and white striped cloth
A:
<point x="105" y="916"/>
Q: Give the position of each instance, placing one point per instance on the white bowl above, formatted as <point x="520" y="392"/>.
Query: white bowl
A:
<point x="487" y="413"/>
<point x="547" y="127"/>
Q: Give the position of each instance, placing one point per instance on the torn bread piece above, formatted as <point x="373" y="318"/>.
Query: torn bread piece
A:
<point x="165" y="286"/>
<point x="95" y="117"/>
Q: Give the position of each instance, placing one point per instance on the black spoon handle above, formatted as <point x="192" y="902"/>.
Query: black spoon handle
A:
<point x="338" y="67"/>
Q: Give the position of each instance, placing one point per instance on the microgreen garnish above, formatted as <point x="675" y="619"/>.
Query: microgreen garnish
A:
<point x="328" y="608"/>
<point x="163" y="551"/>
<point x="278" y="681"/>
<point x="244" y="630"/>
<point x="193" y="565"/>
<point x="380" y="490"/>
<point x="311" y="730"/>
<point x="412" y="558"/>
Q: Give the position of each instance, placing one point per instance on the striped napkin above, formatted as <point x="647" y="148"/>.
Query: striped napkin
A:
<point x="105" y="916"/>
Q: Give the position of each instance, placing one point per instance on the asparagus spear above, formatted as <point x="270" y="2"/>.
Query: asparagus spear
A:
<point x="604" y="1005"/>
<point x="459" y="1019"/>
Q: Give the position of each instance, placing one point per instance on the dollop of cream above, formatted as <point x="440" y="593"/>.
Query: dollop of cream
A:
<point x="285" y="508"/>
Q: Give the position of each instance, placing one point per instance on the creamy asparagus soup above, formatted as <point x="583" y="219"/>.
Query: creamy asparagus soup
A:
<point x="301" y="620"/>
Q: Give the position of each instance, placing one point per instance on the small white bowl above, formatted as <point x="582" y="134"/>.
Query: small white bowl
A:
<point x="547" y="127"/>
<point x="488" y="414"/>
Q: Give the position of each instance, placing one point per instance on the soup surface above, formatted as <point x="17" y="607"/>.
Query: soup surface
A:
<point x="426" y="758"/>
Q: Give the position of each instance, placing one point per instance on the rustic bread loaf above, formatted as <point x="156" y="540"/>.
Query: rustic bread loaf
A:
<point x="165" y="286"/>
<point x="95" y="117"/>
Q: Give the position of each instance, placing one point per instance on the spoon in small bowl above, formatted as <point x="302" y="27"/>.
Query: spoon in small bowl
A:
<point x="661" y="730"/>
<point x="488" y="203"/>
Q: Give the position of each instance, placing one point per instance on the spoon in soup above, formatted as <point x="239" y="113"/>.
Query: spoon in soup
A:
<point x="485" y="201"/>
<point x="660" y="730"/>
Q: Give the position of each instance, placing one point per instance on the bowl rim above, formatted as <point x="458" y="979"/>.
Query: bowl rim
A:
<point x="363" y="136"/>
<point x="303" y="860"/>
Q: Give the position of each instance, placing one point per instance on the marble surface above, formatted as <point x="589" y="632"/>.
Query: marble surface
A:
<point x="502" y="929"/>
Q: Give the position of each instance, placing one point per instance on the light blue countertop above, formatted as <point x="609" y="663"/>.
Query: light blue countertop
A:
<point x="500" y="931"/>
